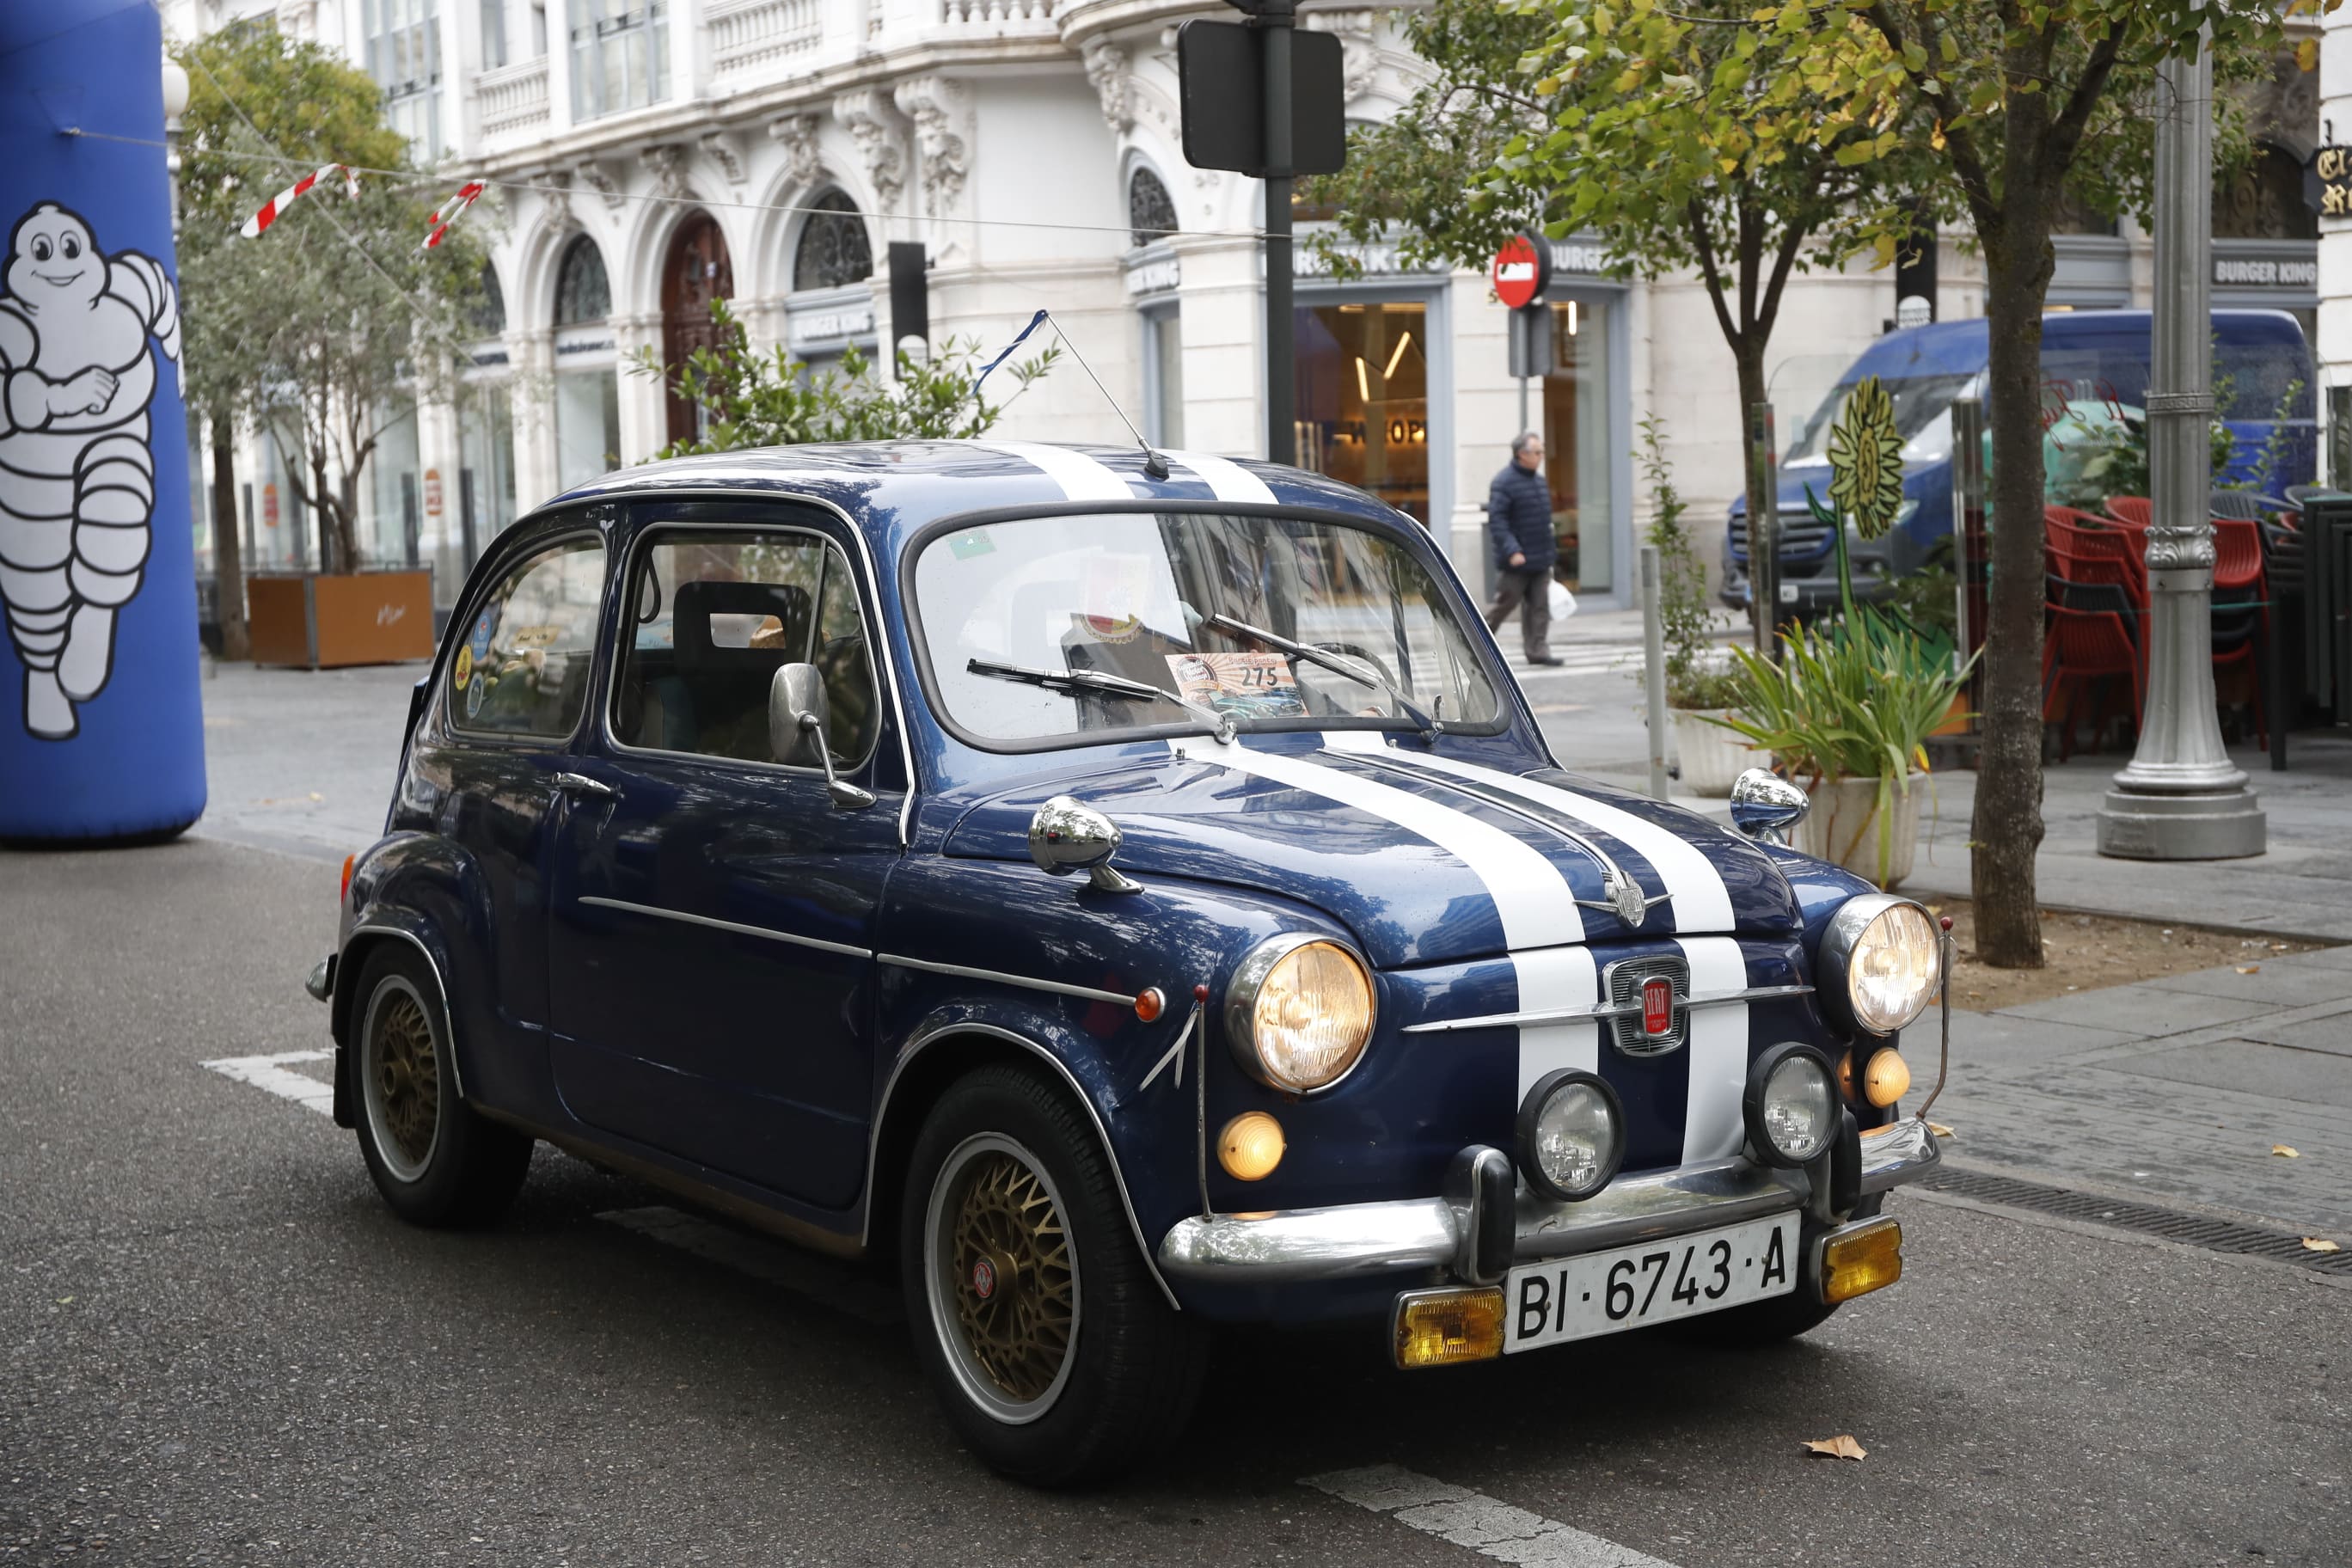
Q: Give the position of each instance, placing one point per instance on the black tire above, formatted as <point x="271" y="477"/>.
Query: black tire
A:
<point x="1110" y="1369"/>
<point x="436" y="1160"/>
<point x="1768" y="1322"/>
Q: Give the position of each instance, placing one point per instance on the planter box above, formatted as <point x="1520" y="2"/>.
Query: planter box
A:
<point x="1842" y="827"/>
<point x="1710" y="756"/>
<point x="319" y="622"/>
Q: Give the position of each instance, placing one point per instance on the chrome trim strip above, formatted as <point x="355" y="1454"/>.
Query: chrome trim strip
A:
<point x="1894" y="1155"/>
<point x="842" y="947"/>
<point x="965" y="972"/>
<point x="915" y="1046"/>
<point x="1423" y="1233"/>
<point x="457" y="1070"/>
<point x="1605" y="1010"/>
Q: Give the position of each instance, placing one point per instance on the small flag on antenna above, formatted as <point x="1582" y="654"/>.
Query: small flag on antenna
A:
<point x="285" y="198"/>
<point x="450" y="211"/>
<point x="1034" y="323"/>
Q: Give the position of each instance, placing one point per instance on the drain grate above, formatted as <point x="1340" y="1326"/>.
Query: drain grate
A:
<point x="2173" y="1225"/>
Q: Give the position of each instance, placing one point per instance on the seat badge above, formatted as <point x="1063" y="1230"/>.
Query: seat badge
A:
<point x="1657" y="1004"/>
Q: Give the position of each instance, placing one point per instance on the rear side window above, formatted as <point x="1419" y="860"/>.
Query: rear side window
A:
<point x="716" y="614"/>
<point x="523" y="667"/>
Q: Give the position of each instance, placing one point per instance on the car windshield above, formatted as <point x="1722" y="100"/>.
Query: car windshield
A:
<point x="1054" y="627"/>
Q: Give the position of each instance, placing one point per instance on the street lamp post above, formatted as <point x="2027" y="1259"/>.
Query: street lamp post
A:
<point x="2181" y="798"/>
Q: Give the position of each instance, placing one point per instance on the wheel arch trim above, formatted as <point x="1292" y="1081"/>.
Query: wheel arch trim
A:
<point x="370" y="932"/>
<point x="944" y="1030"/>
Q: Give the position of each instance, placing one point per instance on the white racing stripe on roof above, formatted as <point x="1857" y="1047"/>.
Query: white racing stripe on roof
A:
<point x="1700" y="903"/>
<point x="1226" y="480"/>
<point x="1080" y="477"/>
<point x="1536" y="906"/>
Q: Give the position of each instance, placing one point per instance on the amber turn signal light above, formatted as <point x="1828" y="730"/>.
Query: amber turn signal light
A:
<point x="1886" y="1078"/>
<point x="1149" y="1006"/>
<point x="1251" y="1146"/>
<point x="349" y="861"/>
<point x="1859" y="1260"/>
<point x="1443" y="1327"/>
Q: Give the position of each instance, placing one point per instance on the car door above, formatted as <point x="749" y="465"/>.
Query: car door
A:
<point x="513" y="693"/>
<point x="713" y="918"/>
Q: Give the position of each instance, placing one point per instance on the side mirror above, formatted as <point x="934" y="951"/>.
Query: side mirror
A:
<point x="796" y="733"/>
<point x="1068" y="835"/>
<point x="1764" y="807"/>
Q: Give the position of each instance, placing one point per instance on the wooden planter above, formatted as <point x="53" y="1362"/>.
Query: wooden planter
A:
<point x="315" y="621"/>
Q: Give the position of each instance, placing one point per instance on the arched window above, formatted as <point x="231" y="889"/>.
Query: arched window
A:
<point x="834" y="250"/>
<point x="489" y="316"/>
<point x="1151" y="210"/>
<point x="582" y="293"/>
<point x="2263" y="200"/>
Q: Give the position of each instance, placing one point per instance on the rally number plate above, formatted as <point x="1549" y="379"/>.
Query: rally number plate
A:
<point x="1655" y="1282"/>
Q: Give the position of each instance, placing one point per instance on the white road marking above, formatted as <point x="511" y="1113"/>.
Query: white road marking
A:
<point x="269" y="1073"/>
<point x="1487" y="1526"/>
<point x="821" y="1279"/>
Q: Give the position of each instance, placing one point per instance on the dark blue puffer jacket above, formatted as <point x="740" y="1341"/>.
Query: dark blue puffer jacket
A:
<point x="1518" y="517"/>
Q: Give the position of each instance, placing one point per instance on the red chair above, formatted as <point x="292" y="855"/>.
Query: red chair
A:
<point x="2238" y="555"/>
<point x="2082" y="645"/>
<point x="2082" y="548"/>
<point x="2138" y="512"/>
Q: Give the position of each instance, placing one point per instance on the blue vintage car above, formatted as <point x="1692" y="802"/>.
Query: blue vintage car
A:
<point x="1118" y="893"/>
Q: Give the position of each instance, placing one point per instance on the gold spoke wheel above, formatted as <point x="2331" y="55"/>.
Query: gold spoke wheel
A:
<point x="1004" y="1283"/>
<point x="402" y="1080"/>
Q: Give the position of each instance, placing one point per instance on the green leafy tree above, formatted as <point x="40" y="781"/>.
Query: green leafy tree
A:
<point x="1698" y="676"/>
<point x="2021" y="105"/>
<point x="1633" y="124"/>
<point x="754" y="399"/>
<point x="318" y="330"/>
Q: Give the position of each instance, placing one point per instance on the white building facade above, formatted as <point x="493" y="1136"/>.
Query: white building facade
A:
<point x="647" y="155"/>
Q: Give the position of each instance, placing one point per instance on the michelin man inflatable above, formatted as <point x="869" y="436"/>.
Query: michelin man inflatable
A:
<point x="101" y="733"/>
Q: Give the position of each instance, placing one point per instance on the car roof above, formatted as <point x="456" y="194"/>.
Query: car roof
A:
<point x="1957" y="348"/>
<point x="893" y="488"/>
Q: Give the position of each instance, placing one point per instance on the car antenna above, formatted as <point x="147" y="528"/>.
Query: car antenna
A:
<point x="1154" y="464"/>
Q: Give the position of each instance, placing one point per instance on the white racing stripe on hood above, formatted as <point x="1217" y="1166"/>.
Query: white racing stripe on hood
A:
<point x="1080" y="477"/>
<point x="1714" y="1125"/>
<point x="1226" y="480"/>
<point x="1700" y="903"/>
<point x="1536" y="906"/>
<point x="1556" y="977"/>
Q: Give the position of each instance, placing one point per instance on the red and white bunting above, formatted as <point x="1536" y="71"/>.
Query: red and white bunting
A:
<point x="285" y="198"/>
<point x="451" y="211"/>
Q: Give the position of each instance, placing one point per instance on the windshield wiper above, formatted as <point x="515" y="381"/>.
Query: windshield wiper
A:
<point x="1362" y="671"/>
<point x="1096" y="682"/>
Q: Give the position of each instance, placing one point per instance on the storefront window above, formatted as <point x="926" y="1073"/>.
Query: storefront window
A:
<point x="395" y="491"/>
<point x="485" y="499"/>
<point x="587" y="427"/>
<point x="1576" y="416"/>
<point x="1363" y="398"/>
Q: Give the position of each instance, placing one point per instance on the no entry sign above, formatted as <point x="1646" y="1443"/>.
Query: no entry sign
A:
<point x="1521" y="271"/>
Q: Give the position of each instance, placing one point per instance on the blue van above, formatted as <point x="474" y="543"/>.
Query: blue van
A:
<point x="2088" y="358"/>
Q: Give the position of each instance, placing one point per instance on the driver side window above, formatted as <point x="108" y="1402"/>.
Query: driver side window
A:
<point x="716" y="612"/>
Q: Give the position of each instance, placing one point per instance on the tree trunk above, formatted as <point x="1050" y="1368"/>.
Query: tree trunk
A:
<point x="2007" y="829"/>
<point x="228" y="547"/>
<point x="1747" y="352"/>
<point x="347" y="521"/>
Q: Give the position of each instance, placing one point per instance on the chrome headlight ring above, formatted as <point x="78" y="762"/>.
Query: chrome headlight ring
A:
<point x="1248" y="983"/>
<point x="1834" y="962"/>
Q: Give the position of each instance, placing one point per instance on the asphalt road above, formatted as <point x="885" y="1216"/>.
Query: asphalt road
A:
<point x="217" y="1347"/>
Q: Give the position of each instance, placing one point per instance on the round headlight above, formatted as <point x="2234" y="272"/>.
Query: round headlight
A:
<point x="1879" y="962"/>
<point x="1299" y="1013"/>
<point x="1571" y="1134"/>
<point x="1791" y="1105"/>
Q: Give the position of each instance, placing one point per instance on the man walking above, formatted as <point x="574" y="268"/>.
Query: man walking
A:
<point x="1518" y="526"/>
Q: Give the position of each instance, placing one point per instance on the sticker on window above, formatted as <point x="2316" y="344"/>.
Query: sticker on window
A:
<point x="965" y="546"/>
<point x="1246" y="685"/>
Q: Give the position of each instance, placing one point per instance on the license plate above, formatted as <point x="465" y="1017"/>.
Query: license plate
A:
<point x="1788" y="592"/>
<point x="1655" y="1282"/>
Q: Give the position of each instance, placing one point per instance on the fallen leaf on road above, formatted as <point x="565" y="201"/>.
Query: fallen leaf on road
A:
<point x="1940" y="1131"/>
<point x="2242" y="969"/>
<point x="1842" y="1446"/>
<point x="2284" y="1153"/>
<point x="2319" y="1243"/>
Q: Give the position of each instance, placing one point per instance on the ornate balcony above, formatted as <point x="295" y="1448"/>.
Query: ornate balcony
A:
<point x="748" y="37"/>
<point x="513" y="99"/>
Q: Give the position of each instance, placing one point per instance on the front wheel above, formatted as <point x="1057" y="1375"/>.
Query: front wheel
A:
<point x="436" y="1160"/>
<point x="1049" y="1344"/>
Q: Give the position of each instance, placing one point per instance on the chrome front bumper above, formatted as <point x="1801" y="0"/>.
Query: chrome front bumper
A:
<point x="1442" y="1233"/>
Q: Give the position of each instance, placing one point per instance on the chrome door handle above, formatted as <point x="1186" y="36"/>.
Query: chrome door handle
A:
<point x="581" y="783"/>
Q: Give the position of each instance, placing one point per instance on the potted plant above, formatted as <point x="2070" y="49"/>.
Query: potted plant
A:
<point x="1699" y="677"/>
<point x="1849" y="707"/>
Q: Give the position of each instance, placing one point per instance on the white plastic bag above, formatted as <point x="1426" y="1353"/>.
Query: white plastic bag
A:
<point x="1563" y="603"/>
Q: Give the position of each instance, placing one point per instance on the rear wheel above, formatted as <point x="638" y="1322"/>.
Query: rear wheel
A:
<point x="1049" y="1344"/>
<point x="436" y="1160"/>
